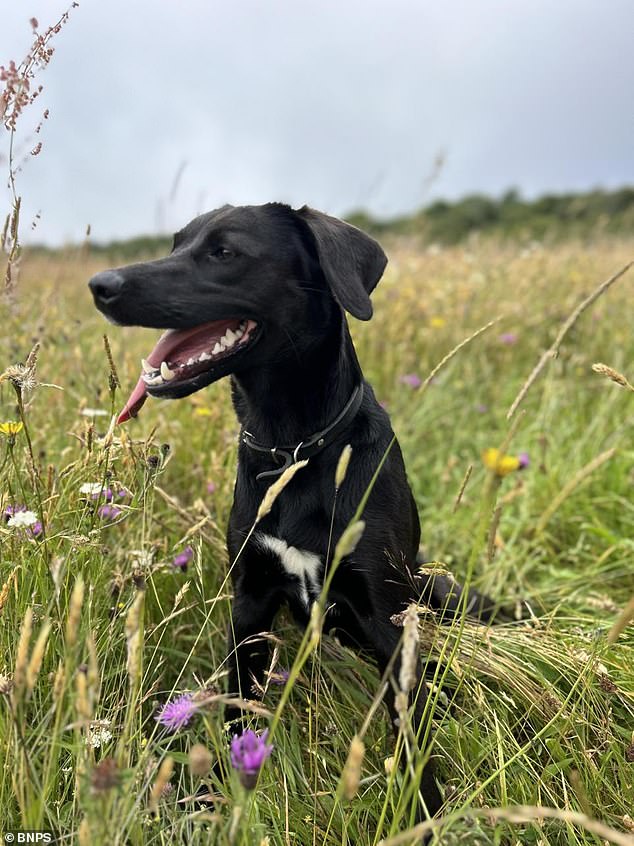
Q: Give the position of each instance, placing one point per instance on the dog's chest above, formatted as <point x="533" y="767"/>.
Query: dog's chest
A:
<point x="304" y="568"/>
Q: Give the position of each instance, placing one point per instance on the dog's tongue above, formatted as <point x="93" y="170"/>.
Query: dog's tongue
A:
<point x="168" y="341"/>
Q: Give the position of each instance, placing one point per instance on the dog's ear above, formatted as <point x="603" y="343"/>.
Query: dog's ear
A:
<point x="351" y="261"/>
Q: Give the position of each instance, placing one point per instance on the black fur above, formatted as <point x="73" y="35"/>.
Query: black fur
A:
<point x="294" y="272"/>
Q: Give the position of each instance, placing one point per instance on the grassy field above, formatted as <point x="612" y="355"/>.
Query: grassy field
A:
<point x="535" y="713"/>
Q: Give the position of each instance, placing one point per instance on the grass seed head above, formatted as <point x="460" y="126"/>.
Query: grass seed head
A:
<point x="276" y="489"/>
<point x="200" y="760"/>
<point x="342" y="466"/>
<point x="351" y="775"/>
<point x="163" y="776"/>
<point x="33" y="669"/>
<point x="74" y="611"/>
<point x="22" y="654"/>
<point x="611" y="373"/>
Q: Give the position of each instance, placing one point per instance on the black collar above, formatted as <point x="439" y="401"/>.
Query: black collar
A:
<point x="311" y="445"/>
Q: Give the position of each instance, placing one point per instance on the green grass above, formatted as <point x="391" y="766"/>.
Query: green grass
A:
<point x="537" y="713"/>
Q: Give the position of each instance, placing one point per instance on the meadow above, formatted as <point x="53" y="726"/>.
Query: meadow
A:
<point x="116" y="601"/>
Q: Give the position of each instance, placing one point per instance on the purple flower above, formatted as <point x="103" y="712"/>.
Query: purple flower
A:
<point x="36" y="529"/>
<point x="248" y="752"/>
<point x="10" y="510"/>
<point x="108" y="512"/>
<point x="508" y="338"/>
<point x="183" y="558"/>
<point x="279" y="677"/>
<point x="524" y="460"/>
<point x="211" y="487"/>
<point x="481" y="408"/>
<point x="411" y="379"/>
<point x="176" y="714"/>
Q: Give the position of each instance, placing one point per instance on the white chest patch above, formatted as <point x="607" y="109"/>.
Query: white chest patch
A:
<point x="305" y="566"/>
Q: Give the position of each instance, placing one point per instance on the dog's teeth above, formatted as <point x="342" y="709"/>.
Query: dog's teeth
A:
<point x="223" y="344"/>
<point x="166" y="373"/>
<point x="147" y="367"/>
<point x="153" y="380"/>
<point x="204" y="357"/>
<point x="239" y="333"/>
<point x="190" y="361"/>
<point x="217" y="349"/>
<point x="230" y="337"/>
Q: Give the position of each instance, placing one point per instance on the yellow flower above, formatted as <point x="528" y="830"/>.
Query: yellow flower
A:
<point x="11" y="427"/>
<point x="499" y="463"/>
<point x="437" y="322"/>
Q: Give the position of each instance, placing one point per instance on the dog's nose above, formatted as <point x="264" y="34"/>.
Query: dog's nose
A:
<point x="106" y="286"/>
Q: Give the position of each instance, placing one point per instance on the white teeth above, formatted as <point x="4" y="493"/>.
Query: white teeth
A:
<point x="223" y="344"/>
<point x="190" y="361"/>
<point x="147" y="367"/>
<point x="204" y="357"/>
<point x="166" y="373"/>
<point x="153" y="380"/>
<point x="217" y="349"/>
<point x="239" y="333"/>
<point x="230" y="338"/>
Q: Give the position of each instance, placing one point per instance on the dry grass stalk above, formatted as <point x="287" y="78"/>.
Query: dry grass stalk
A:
<point x="349" y="539"/>
<point x="163" y="776"/>
<point x="342" y="466"/>
<point x="6" y="588"/>
<point x="22" y="654"/>
<point x="623" y="620"/>
<point x="351" y="775"/>
<point x="74" y="611"/>
<point x="520" y="814"/>
<point x="409" y="652"/>
<point x="463" y="486"/>
<point x="35" y="664"/>
<point x="569" y="323"/>
<point x="614" y="375"/>
<point x="133" y="637"/>
<point x="454" y="352"/>
<point x="572" y="485"/>
<point x="276" y="489"/>
<point x="82" y="700"/>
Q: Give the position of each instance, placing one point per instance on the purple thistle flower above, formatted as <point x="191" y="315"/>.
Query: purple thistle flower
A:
<point x="279" y="676"/>
<point x="10" y="510"/>
<point x="36" y="529"/>
<point x="524" y="460"/>
<point x="412" y="379"/>
<point x="108" y="512"/>
<point x="248" y="752"/>
<point x="211" y="487"/>
<point x="183" y="558"/>
<point x="508" y="338"/>
<point x="177" y="714"/>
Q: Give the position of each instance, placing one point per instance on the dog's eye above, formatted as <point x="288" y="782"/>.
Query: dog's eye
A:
<point x="222" y="254"/>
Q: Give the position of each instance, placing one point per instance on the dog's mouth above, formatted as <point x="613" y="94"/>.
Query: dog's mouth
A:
<point x="185" y="360"/>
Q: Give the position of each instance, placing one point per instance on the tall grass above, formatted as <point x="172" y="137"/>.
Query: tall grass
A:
<point x="98" y="628"/>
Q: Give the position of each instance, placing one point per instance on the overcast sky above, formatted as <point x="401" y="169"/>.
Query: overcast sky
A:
<point x="337" y="103"/>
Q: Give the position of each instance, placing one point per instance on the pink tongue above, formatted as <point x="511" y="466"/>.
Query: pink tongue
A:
<point x="166" y="342"/>
<point x="134" y="403"/>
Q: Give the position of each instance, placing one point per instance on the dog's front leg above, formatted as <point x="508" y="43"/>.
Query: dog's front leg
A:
<point x="388" y="654"/>
<point x="248" y="648"/>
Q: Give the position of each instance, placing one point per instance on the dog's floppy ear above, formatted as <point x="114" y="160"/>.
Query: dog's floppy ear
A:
<point x="351" y="261"/>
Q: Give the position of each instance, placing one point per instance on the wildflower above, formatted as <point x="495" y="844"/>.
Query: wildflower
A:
<point x="11" y="427"/>
<point x="93" y="489"/>
<point x="105" y="776"/>
<point x="98" y="737"/>
<point x="18" y="517"/>
<point x="412" y="379"/>
<point x="248" y="752"/>
<point x="211" y="487"/>
<point x="183" y="558"/>
<point x="437" y="322"/>
<point x="178" y="713"/>
<point x="481" y="408"/>
<point x="200" y="760"/>
<point x="108" y="512"/>
<point x="94" y="412"/>
<point x="502" y="464"/>
<point x="279" y="676"/>
<point x="508" y="338"/>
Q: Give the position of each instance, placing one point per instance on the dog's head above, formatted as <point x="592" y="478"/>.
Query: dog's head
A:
<point x="237" y="277"/>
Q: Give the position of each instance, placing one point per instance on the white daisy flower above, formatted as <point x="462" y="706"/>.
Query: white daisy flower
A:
<point x="23" y="519"/>
<point x="94" y="412"/>
<point x="91" y="488"/>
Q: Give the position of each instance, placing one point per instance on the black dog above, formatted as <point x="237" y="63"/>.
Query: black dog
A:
<point x="260" y="292"/>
